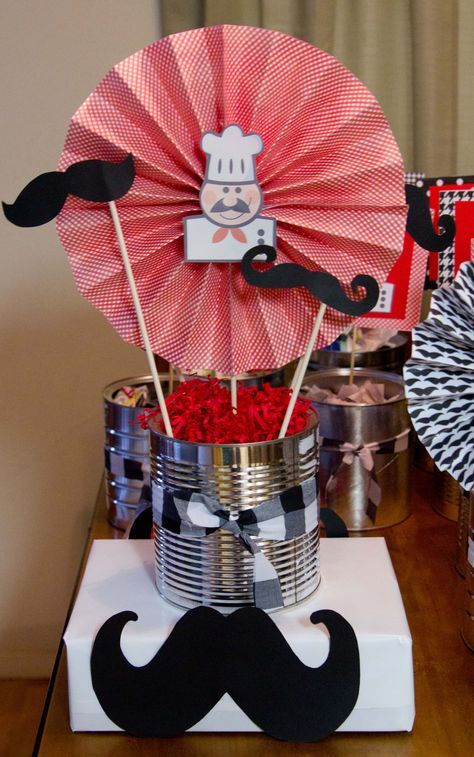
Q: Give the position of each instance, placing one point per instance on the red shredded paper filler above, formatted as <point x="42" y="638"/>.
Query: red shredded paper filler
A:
<point x="200" y="411"/>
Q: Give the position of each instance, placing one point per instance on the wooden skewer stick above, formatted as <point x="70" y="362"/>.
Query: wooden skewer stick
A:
<point x="296" y="374"/>
<point x="301" y="370"/>
<point x="233" y="393"/>
<point x="353" y="355"/>
<point x="170" y="379"/>
<point x="141" y="320"/>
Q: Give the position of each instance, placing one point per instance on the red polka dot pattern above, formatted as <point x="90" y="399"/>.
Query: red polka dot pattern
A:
<point x="331" y="175"/>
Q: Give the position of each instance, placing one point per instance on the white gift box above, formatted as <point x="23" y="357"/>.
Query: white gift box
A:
<point x="358" y="581"/>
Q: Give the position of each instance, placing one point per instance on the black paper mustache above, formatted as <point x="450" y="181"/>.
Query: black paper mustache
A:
<point x="419" y="223"/>
<point x="95" y="180"/>
<point x="322" y="285"/>
<point x="244" y="654"/>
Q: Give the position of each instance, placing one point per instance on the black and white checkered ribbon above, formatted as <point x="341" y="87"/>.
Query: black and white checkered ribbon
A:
<point x="290" y="514"/>
<point x="127" y="467"/>
<point x="365" y="453"/>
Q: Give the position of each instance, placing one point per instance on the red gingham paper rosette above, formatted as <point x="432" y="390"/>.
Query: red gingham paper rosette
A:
<point x="331" y="174"/>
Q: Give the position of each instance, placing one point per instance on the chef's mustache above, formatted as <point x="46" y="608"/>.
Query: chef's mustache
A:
<point x="95" y="180"/>
<point x="240" y="206"/>
<point x="244" y="654"/>
<point x="322" y="285"/>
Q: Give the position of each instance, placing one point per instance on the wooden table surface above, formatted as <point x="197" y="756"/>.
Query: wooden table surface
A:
<point x="423" y="550"/>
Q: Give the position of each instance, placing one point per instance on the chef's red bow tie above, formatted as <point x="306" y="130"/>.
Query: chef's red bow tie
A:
<point x="221" y="234"/>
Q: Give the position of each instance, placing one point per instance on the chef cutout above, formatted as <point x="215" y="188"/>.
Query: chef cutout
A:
<point x="231" y="200"/>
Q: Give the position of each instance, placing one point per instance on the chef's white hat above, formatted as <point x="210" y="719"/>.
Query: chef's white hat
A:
<point x="231" y="155"/>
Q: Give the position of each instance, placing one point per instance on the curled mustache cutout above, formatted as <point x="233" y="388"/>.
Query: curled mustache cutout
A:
<point x="324" y="286"/>
<point x="174" y="690"/>
<point x="420" y="224"/>
<point x="94" y="180"/>
<point x="244" y="654"/>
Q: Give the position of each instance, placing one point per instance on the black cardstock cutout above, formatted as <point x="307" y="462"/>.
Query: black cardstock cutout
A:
<point x="333" y="524"/>
<point x="285" y="698"/>
<point x="174" y="690"/>
<point x="94" y="180"/>
<point x="142" y="523"/>
<point x="420" y="224"/>
<point x="207" y="654"/>
<point x="322" y="285"/>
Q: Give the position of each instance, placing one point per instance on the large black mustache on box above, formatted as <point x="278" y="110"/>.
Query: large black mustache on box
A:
<point x="95" y="180"/>
<point x="244" y="654"/>
<point x="322" y="285"/>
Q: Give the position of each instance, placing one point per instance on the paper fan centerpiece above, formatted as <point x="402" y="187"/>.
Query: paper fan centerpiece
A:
<point x="440" y="378"/>
<point x="329" y="173"/>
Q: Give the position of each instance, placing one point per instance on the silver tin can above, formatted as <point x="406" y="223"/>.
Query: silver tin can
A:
<point x="448" y="501"/>
<point x="388" y="358"/>
<point x="463" y="533"/>
<point x="125" y="439"/>
<point x="467" y="627"/>
<point x="362" y="425"/>
<point x="215" y="570"/>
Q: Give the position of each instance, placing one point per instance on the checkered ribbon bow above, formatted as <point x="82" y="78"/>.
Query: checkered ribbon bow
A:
<point x="365" y="453"/>
<point x="291" y="514"/>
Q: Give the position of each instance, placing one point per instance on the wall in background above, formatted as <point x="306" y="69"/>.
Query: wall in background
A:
<point x="414" y="55"/>
<point x="56" y="351"/>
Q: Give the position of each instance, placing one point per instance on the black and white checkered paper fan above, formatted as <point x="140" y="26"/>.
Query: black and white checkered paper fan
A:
<point x="440" y="378"/>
